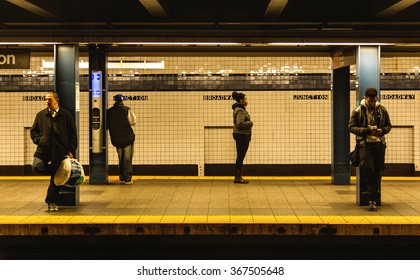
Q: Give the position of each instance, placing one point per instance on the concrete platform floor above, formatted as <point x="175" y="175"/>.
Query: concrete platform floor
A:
<point x="210" y="213"/>
<point x="212" y="200"/>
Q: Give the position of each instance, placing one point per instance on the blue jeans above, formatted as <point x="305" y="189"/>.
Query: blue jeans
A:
<point x="40" y="167"/>
<point x="125" y="162"/>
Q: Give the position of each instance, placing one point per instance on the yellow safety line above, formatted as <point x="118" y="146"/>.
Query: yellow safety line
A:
<point x="211" y="219"/>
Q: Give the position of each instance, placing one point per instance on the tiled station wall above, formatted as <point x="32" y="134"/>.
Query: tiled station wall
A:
<point x="185" y="117"/>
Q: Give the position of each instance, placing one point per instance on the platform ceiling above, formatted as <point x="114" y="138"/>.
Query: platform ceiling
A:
<point x="244" y="21"/>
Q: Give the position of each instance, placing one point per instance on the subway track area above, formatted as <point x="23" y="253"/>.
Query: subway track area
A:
<point x="210" y="217"/>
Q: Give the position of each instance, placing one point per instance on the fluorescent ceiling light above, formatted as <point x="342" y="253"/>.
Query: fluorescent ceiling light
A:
<point x="29" y="43"/>
<point x="179" y="43"/>
<point x="326" y="44"/>
<point x="116" y="65"/>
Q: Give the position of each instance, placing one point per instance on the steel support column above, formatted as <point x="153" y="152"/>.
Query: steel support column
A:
<point x="368" y="60"/>
<point x="340" y="167"/>
<point x="66" y="84"/>
<point x="98" y="160"/>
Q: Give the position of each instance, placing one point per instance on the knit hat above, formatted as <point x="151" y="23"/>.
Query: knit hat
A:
<point x="119" y="97"/>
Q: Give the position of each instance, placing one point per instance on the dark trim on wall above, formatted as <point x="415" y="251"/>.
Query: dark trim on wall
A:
<point x="397" y="169"/>
<point x="14" y="170"/>
<point x="391" y="169"/>
<point x="269" y="170"/>
<point x="160" y="170"/>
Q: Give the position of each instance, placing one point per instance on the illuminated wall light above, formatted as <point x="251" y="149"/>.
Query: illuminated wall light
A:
<point x="295" y="44"/>
<point x="224" y="72"/>
<point x="83" y="64"/>
<point x="326" y="44"/>
<point x="136" y="65"/>
<point x="28" y="44"/>
<point x="115" y="65"/>
<point x="181" y="43"/>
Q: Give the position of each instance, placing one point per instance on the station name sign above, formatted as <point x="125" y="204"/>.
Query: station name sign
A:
<point x="398" y="96"/>
<point x="310" y="97"/>
<point x="138" y="97"/>
<point x="42" y="98"/>
<point x="33" y="98"/>
<point x="217" y="97"/>
<point x="15" y="59"/>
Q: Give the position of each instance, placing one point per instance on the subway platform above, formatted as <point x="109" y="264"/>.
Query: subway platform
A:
<point x="210" y="218"/>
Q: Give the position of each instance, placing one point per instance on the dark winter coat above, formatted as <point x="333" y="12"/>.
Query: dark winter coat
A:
<point x="120" y="129"/>
<point x="358" y="123"/>
<point x="55" y="137"/>
<point x="241" y="120"/>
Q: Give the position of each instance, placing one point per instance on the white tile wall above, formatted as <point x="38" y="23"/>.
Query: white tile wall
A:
<point x="402" y="141"/>
<point x="170" y="128"/>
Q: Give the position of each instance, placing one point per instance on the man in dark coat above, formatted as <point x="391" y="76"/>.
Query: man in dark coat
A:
<point x="370" y="123"/>
<point x="120" y="121"/>
<point x="54" y="132"/>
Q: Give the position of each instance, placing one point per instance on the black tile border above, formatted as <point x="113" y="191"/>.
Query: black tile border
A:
<point x="269" y="170"/>
<point x="392" y="169"/>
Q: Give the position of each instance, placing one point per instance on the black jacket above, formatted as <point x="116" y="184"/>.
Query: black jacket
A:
<point x="120" y="129"/>
<point x="55" y="137"/>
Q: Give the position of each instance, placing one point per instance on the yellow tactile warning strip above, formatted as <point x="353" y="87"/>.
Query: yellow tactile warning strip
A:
<point x="264" y="219"/>
<point x="222" y="219"/>
<point x="218" y="219"/>
<point x="238" y="228"/>
<point x="413" y="219"/>
<point x="333" y="220"/>
<point x="209" y="225"/>
<point x="195" y="219"/>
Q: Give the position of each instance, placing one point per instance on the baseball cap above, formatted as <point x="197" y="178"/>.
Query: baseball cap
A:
<point x="119" y="97"/>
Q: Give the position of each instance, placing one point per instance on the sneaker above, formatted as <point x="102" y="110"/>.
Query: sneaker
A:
<point x="372" y="206"/>
<point x="122" y="182"/>
<point x="52" y="207"/>
<point x="128" y="182"/>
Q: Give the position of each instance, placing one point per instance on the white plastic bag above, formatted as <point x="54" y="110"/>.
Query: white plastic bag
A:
<point x="70" y="173"/>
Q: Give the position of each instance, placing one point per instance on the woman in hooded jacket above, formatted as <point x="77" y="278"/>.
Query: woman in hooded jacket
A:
<point x="241" y="133"/>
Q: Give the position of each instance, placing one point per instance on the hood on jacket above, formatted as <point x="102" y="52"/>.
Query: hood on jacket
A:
<point x="363" y="103"/>
<point x="234" y="106"/>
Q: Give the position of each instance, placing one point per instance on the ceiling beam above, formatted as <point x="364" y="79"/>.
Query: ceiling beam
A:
<point x="397" y="7"/>
<point x="155" y="8"/>
<point x="32" y="8"/>
<point x="274" y="9"/>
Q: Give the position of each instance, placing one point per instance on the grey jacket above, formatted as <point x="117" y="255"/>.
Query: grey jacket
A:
<point x="241" y="120"/>
<point x="358" y="123"/>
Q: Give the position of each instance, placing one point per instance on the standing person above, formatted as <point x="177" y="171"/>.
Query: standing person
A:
<point x="54" y="132"/>
<point x="370" y="123"/>
<point x="120" y="122"/>
<point x="241" y="133"/>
